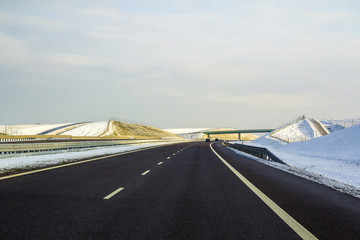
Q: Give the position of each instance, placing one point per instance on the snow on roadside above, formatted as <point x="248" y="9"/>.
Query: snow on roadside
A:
<point x="340" y="186"/>
<point x="31" y="162"/>
<point x="335" y="156"/>
<point x="92" y="129"/>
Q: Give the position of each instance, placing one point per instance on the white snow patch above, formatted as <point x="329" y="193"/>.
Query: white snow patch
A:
<point x="338" y="124"/>
<point x="30" y="162"/>
<point x="335" y="156"/>
<point x="29" y="129"/>
<point x="92" y="129"/>
<point x="110" y="129"/>
<point x="302" y="130"/>
<point x="342" y="187"/>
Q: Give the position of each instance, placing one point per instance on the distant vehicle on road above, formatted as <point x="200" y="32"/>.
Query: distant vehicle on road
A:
<point x="207" y="140"/>
<point x="216" y="139"/>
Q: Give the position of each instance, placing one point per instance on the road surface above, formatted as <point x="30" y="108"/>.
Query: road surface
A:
<point x="180" y="191"/>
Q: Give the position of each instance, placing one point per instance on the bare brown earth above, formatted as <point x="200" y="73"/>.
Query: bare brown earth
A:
<point x="131" y="130"/>
<point x="244" y="136"/>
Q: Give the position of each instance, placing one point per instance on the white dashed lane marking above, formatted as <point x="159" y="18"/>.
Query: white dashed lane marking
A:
<point x="146" y="172"/>
<point x="113" y="193"/>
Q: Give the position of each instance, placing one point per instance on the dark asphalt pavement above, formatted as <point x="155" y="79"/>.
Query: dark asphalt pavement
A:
<point x="191" y="195"/>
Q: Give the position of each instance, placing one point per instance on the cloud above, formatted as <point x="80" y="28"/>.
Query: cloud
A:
<point x="259" y="54"/>
<point x="273" y="100"/>
<point x="29" y="21"/>
<point x="13" y="51"/>
<point x="73" y="59"/>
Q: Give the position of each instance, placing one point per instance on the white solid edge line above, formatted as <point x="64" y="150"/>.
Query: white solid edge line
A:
<point x="79" y="162"/>
<point x="291" y="222"/>
<point x="113" y="193"/>
<point x="146" y="172"/>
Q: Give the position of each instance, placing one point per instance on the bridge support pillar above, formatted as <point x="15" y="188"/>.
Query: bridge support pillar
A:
<point x="208" y="135"/>
<point x="239" y="136"/>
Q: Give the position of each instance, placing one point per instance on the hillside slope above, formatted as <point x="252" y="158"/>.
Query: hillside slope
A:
<point x="130" y="130"/>
<point x="335" y="156"/>
<point x="89" y="129"/>
<point x="28" y="129"/>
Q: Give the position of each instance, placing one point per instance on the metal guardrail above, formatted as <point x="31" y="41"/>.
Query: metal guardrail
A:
<point x="259" y="152"/>
<point x="19" y="148"/>
<point x="30" y="138"/>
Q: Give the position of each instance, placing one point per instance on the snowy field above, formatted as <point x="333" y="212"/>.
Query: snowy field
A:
<point x="29" y="129"/>
<point x="32" y="162"/>
<point x="335" y="156"/>
<point x="92" y="129"/>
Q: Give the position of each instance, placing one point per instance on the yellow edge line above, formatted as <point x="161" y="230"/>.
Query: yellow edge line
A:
<point x="79" y="162"/>
<point x="291" y="222"/>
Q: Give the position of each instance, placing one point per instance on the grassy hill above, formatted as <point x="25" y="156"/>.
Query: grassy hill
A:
<point x="130" y="130"/>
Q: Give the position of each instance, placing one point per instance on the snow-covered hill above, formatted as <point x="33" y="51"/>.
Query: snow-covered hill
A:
<point x="335" y="156"/>
<point x="301" y="130"/>
<point x="28" y="129"/>
<point x="92" y="129"/>
<point x="88" y="129"/>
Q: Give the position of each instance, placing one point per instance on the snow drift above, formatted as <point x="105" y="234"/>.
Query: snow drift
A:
<point x="335" y="156"/>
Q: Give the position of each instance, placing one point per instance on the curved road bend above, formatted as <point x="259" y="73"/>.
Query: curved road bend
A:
<point x="181" y="191"/>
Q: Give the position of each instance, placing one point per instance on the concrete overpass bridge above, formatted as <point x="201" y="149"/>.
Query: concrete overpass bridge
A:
<point x="208" y="133"/>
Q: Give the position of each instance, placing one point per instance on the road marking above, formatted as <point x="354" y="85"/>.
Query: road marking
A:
<point x="168" y="157"/>
<point x="174" y="154"/>
<point x="79" y="162"/>
<point x="113" y="193"/>
<point x="146" y="172"/>
<point x="291" y="222"/>
<point x="160" y="163"/>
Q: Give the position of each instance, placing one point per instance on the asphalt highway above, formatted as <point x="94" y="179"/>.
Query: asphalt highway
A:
<point x="180" y="191"/>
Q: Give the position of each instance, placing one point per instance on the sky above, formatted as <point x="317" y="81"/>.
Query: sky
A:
<point x="173" y="64"/>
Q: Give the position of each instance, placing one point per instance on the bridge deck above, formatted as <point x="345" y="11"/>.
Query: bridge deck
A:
<point x="239" y="131"/>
